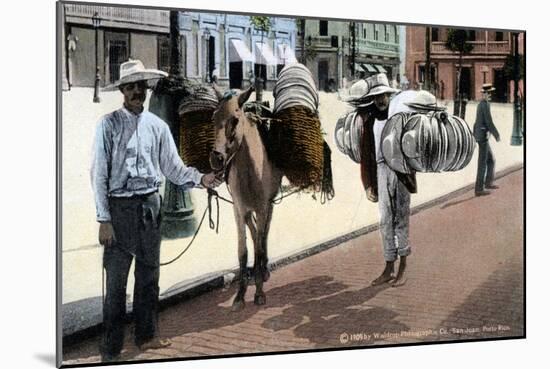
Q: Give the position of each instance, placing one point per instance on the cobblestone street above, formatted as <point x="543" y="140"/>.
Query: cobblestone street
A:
<point x="465" y="281"/>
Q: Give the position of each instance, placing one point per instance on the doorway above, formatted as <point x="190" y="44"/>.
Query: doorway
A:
<point x="236" y="75"/>
<point x="322" y="74"/>
<point x="466" y="83"/>
<point x="211" y="57"/>
<point x="500" y="85"/>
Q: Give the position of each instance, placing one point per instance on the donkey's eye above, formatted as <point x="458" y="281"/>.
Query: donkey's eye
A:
<point x="230" y="129"/>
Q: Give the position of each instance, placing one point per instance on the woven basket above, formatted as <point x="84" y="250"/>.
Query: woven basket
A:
<point x="196" y="139"/>
<point x="297" y="146"/>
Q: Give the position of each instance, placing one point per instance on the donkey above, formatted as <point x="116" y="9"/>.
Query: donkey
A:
<point x="253" y="182"/>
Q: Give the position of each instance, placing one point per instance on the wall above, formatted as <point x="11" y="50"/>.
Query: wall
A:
<point x="145" y="48"/>
<point x="83" y="58"/>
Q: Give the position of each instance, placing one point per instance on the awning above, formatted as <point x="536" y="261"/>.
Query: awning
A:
<point x="285" y="55"/>
<point x="264" y="55"/>
<point x="381" y="68"/>
<point x="358" y="67"/>
<point x="370" y="68"/>
<point x="238" y="51"/>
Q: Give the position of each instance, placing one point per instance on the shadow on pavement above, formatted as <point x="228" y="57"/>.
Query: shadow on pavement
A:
<point x="326" y="310"/>
<point x="457" y="202"/>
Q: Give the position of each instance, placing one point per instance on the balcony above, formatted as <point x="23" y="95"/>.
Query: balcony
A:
<point x="496" y="48"/>
<point x="146" y="19"/>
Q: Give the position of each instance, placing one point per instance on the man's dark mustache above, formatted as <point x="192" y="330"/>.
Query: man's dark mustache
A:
<point x="138" y="97"/>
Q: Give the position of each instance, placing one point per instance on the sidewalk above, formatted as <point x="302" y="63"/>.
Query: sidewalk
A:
<point x="465" y="281"/>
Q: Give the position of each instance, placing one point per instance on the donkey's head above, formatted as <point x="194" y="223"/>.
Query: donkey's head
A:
<point x="229" y="124"/>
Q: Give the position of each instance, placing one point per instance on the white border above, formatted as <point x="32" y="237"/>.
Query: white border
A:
<point x="28" y="182"/>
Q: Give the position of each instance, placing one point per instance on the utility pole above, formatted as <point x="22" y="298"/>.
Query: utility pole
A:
<point x="428" y="68"/>
<point x="352" y="51"/>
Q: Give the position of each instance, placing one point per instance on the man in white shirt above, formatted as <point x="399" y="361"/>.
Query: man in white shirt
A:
<point x="393" y="190"/>
<point x="134" y="149"/>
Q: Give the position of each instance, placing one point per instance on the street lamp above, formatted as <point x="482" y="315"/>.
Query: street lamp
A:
<point x="96" y="21"/>
<point x="517" y="139"/>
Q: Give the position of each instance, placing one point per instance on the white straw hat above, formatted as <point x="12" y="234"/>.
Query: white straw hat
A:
<point x="134" y="71"/>
<point x="378" y="84"/>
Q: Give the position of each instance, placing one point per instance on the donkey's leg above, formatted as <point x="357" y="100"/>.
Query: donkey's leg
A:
<point x="238" y="302"/>
<point x="259" y="258"/>
<point x="264" y="261"/>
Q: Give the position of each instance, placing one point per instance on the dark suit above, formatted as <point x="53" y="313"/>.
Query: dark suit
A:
<point x="486" y="160"/>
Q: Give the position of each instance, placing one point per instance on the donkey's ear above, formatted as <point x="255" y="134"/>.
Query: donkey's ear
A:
<point x="217" y="90"/>
<point x="243" y="97"/>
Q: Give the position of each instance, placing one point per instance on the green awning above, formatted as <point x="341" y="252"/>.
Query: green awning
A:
<point x="381" y="68"/>
<point x="370" y="68"/>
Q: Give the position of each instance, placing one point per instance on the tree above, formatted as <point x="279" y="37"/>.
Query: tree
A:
<point x="457" y="41"/>
<point x="509" y="68"/>
<point x="262" y="24"/>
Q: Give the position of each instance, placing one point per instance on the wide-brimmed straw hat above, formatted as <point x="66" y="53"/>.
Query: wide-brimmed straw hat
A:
<point x="357" y="94"/>
<point x="378" y="84"/>
<point x="487" y="87"/>
<point x="134" y="71"/>
<point x="424" y="101"/>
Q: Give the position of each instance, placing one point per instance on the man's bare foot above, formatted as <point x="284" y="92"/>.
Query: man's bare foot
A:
<point x="155" y="343"/>
<point x="386" y="276"/>
<point x="400" y="278"/>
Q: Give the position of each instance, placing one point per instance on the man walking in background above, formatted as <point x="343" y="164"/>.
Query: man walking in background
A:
<point x="482" y="127"/>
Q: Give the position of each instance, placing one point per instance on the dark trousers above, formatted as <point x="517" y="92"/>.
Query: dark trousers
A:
<point x="485" y="166"/>
<point x="136" y="223"/>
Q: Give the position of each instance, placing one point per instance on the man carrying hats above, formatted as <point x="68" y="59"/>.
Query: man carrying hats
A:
<point x="482" y="127"/>
<point x="364" y="106"/>
<point x="133" y="149"/>
<point x="392" y="188"/>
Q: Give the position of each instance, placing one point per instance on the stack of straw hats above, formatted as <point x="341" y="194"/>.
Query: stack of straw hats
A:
<point x="295" y="132"/>
<point x="426" y="138"/>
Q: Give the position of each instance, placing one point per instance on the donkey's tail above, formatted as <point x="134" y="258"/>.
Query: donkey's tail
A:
<point x="327" y="189"/>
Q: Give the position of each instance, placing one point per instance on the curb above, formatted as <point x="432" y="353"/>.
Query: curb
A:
<point x="190" y="289"/>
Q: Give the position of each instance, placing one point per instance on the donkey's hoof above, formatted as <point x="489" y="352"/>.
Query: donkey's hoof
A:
<point x="238" y="305"/>
<point x="259" y="299"/>
<point x="266" y="274"/>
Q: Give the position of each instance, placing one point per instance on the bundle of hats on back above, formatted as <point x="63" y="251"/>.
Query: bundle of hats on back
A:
<point x="196" y="132"/>
<point x="349" y="127"/>
<point x="295" y="131"/>
<point x="421" y="136"/>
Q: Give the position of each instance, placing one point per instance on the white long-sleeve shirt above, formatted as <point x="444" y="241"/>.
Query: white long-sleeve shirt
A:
<point x="131" y="153"/>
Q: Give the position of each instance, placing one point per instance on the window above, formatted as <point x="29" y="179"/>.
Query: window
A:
<point x="163" y="53"/>
<point x="323" y="28"/>
<point x="364" y="32"/>
<point x="435" y="34"/>
<point x="375" y="33"/>
<point x="471" y="35"/>
<point x="499" y="36"/>
<point x="386" y="35"/>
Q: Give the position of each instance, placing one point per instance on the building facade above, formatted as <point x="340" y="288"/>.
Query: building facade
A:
<point x="337" y="51"/>
<point x="484" y="64"/>
<point x="221" y="45"/>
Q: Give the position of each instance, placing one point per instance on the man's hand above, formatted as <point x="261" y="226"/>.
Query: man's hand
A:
<point x="210" y="180"/>
<point x="106" y="234"/>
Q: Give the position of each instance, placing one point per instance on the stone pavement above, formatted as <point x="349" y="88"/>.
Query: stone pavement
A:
<point x="465" y="281"/>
